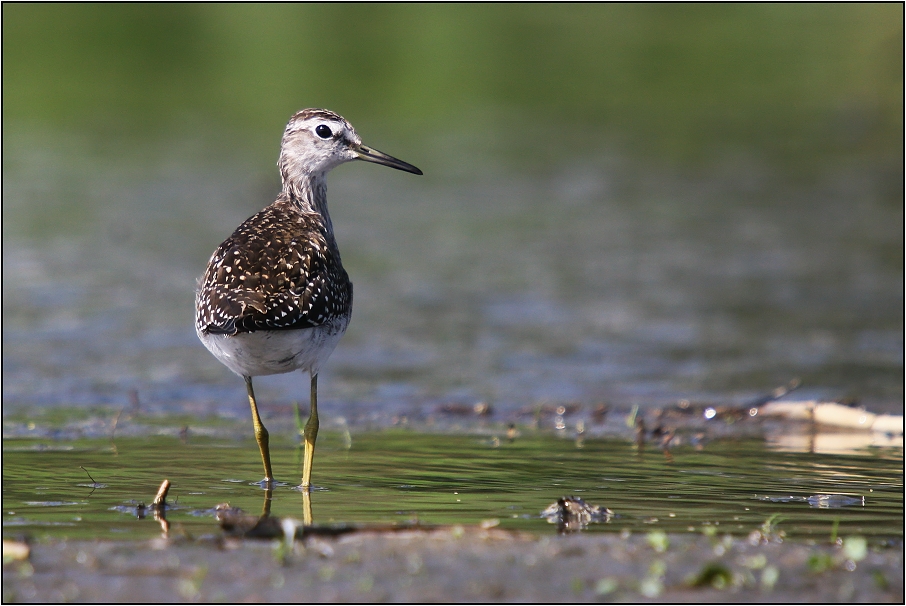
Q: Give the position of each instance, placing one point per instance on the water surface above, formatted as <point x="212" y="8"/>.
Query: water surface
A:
<point x="733" y="485"/>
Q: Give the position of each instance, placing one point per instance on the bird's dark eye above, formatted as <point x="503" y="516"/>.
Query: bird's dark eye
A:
<point x="323" y="131"/>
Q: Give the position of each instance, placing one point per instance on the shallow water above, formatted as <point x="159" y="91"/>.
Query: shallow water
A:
<point x="733" y="485"/>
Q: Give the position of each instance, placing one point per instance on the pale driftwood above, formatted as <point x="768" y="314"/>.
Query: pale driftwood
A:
<point x="834" y="414"/>
<point x="160" y="501"/>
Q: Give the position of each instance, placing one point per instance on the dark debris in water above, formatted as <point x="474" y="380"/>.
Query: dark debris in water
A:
<point x="572" y="514"/>
<point x="236" y="523"/>
<point x="479" y="409"/>
<point x="158" y="507"/>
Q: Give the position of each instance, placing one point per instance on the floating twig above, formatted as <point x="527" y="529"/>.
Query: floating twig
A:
<point x="776" y="394"/>
<point x="89" y="475"/>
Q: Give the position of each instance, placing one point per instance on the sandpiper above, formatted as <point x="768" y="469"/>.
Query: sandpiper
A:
<point x="275" y="297"/>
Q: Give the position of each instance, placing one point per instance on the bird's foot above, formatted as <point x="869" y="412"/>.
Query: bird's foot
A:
<point x="309" y="488"/>
<point x="268" y="484"/>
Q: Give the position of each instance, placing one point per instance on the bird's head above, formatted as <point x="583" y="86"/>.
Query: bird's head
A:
<point x="317" y="140"/>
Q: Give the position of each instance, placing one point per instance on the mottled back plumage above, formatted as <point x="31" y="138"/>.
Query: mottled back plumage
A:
<point x="280" y="270"/>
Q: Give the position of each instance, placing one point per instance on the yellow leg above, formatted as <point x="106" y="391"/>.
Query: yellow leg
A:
<point x="260" y="434"/>
<point x="310" y="434"/>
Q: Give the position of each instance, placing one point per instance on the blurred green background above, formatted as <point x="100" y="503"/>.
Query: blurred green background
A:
<point x="812" y="84"/>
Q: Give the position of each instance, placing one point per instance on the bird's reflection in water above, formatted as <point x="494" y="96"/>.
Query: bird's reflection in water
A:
<point x="235" y="521"/>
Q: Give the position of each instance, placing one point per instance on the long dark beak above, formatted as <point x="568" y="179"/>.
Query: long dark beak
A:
<point x="370" y="154"/>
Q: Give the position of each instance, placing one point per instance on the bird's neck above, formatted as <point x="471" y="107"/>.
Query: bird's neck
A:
<point x="308" y="194"/>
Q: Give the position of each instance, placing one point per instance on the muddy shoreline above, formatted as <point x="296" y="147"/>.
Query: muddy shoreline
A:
<point x="456" y="564"/>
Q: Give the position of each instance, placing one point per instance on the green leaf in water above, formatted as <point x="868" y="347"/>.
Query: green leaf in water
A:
<point x="630" y="420"/>
<point x="770" y="525"/>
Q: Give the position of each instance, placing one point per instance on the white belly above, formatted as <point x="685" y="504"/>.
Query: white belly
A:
<point x="270" y="352"/>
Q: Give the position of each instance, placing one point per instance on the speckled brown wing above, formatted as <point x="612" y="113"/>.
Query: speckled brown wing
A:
<point x="278" y="271"/>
